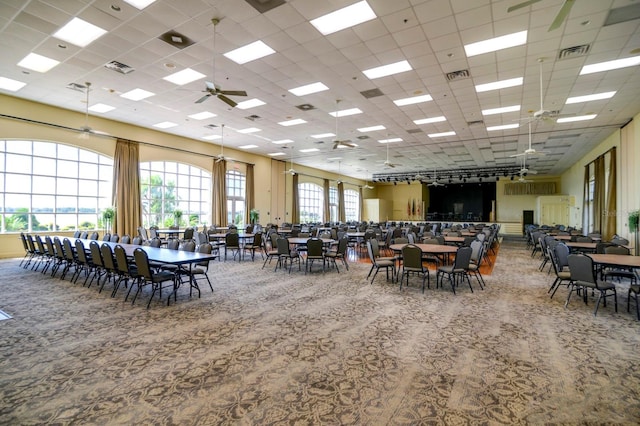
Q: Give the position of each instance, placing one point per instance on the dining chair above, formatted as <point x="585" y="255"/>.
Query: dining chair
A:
<point x="109" y="264"/>
<point x="83" y="261"/>
<point x="126" y="270"/>
<point x="272" y="252"/>
<point x="199" y="269"/>
<point x="412" y="265"/>
<point x="619" y="272"/>
<point x="96" y="264"/>
<point x="286" y="255"/>
<point x="232" y="243"/>
<point x="584" y="276"/>
<point x="380" y="263"/>
<point x="315" y="251"/>
<point x="340" y="253"/>
<point x="148" y="277"/>
<point x="254" y="245"/>
<point x="114" y="238"/>
<point x="559" y="261"/>
<point x="126" y="239"/>
<point x="457" y="272"/>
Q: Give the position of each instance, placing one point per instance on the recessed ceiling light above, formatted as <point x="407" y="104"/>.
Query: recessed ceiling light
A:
<point x="413" y="100"/>
<point x="247" y="146"/>
<point x="137" y="94"/>
<point x="499" y="84"/>
<point x="183" y="77"/>
<point x="211" y="137"/>
<point x="101" y="108"/>
<point x="386" y="70"/>
<point x="587" y="98"/>
<point x="322" y="135"/>
<point x="292" y="122"/>
<point x="79" y="32"/>
<point x="202" y="115"/>
<point x="441" y="135"/>
<point x="333" y="158"/>
<point x="277" y="154"/>
<point x="283" y="141"/>
<point x="351" y="145"/>
<point x="251" y="103"/>
<point x="576" y="118"/>
<point x="249" y="130"/>
<point x="430" y="120"/>
<point x="309" y="150"/>
<point x="139" y="4"/>
<point x="501" y="110"/>
<point x="371" y="128"/>
<point x="503" y="127"/>
<point x="343" y="18"/>
<point x="610" y="65"/>
<point x="497" y="43"/>
<point x="346" y="112"/>
<point x="36" y="62"/>
<point x="11" y="85"/>
<point x="165" y="125"/>
<point x="309" y="89"/>
<point x="392" y="140"/>
<point x="250" y="52"/>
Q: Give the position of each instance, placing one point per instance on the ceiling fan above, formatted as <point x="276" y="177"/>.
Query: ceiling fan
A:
<point x="211" y="88"/>
<point x="435" y="181"/>
<point x="524" y="170"/>
<point x="291" y="170"/>
<point x="220" y="157"/>
<point x="86" y="131"/>
<point x="419" y="177"/>
<point x="341" y="143"/>
<point x="530" y="150"/>
<point x="560" y="17"/>
<point x="388" y="163"/>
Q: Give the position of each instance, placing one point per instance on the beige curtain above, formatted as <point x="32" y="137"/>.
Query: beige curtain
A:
<point x="327" y="209"/>
<point x="609" y="217"/>
<point x="341" y="212"/>
<point x="249" y="198"/>
<point x="219" y="193"/>
<point x="361" y="206"/>
<point x="295" y="202"/>
<point x="126" y="188"/>
<point x="599" y="194"/>
<point x="586" y="219"/>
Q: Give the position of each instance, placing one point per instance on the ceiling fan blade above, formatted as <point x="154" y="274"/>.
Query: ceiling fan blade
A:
<point x="562" y="14"/>
<point x="202" y="99"/>
<point x="227" y="101"/>
<point x="521" y="5"/>
<point x="232" y="92"/>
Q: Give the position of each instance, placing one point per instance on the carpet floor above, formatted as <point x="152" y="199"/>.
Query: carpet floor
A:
<point x="276" y="348"/>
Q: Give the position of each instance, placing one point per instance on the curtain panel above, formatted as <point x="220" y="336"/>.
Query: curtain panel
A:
<point x="326" y="208"/>
<point x="295" y="200"/>
<point x="249" y="198"/>
<point x="610" y="214"/>
<point x="341" y="210"/>
<point x="219" y="193"/>
<point x="126" y="196"/>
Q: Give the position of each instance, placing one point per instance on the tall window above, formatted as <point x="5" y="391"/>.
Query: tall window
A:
<point x="236" y="182"/>
<point x="351" y="205"/>
<point x="166" y="187"/>
<point x="333" y="204"/>
<point x="311" y="200"/>
<point x="46" y="186"/>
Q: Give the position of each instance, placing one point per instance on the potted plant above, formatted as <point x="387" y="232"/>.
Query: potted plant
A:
<point x="108" y="215"/>
<point x="633" y="220"/>
<point x="254" y="216"/>
<point x="177" y="215"/>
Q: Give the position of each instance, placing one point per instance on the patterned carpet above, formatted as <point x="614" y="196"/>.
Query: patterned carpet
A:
<point x="272" y="348"/>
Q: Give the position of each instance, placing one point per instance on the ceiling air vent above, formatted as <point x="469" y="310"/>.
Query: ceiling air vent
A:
<point x="574" y="51"/>
<point x="414" y="131"/>
<point x="211" y="126"/>
<point x="372" y="93"/>
<point x="253" y="117"/>
<point x="263" y="6"/>
<point x="623" y="14"/>
<point x="77" y="87"/>
<point x="458" y="75"/>
<point x="475" y="123"/>
<point x="176" y="39"/>
<point x="363" y="137"/>
<point x="119" y="66"/>
<point x="305" y="107"/>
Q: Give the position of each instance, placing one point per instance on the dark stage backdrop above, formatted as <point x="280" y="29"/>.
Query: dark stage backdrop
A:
<point x="461" y="202"/>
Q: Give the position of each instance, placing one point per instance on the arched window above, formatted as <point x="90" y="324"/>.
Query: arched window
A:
<point x="48" y="186"/>
<point x="333" y="204"/>
<point x="236" y="182"/>
<point x="311" y="200"/>
<point x="167" y="186"/>
<point x="351" y="205"/>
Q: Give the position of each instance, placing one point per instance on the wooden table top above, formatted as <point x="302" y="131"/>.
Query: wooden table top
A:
<point x="428" y="248"/>
<point x="303" y="240"/>
<point x="616" y="260"/>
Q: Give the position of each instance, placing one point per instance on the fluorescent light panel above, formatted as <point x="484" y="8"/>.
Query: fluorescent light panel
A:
<point x="292" y="122"/>
<point x="413" y="100"/>
<point x="202" y="115"/>
<point x="322" y="135"/>
<point x="101" y="108"/>
<point x="386" y="70"/>
<point x="309" y="150"/>
<point x="501" y="110"/>
<point x="183" y="77"/>
<point x="343" y="18"/>
<point x="38" y="63"/>
<point x="248" y="146"/>
<point x="11" y="85"/>
<point x="282" y="141"/>
<point x="441" y="135"/>
<point x="250" y="52"/>
<point x="346" y="112"/>
<point x="139" y="4"/>
<point x="249" y="130"/>
<point x="502" y="127"/>
<point x="502" y="84"/>
<point x="610" y="65"/>
<point x="496" y="43"/>
<point x="277" y="154"/>
<point x="371" y="129"/>
<point x="251" y="103"/>
<point x="392" y="140"/>
<point x="587" y="98"/>
<point x="137" y="94"/>
<point x="211" y="137"/>
<point x="309" y="89"/>
<point x="165" y="125"/>
<point x="576" y="118"/>
<point x="79" y="32"/>
<point x="430" y="120"/>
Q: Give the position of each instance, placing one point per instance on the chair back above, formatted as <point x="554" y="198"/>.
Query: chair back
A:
<point x="562" y="255"/>
<point x="188" y="233"/>
<point x="188" y="246"/>
<point x="59" y="253"/>
<point x="401" y="240"/>
<point x="68" y="250"/>
<point x="619" y="241"/>
<point x="283" y="246"/>
<point x="40" y="244"/>
<point x="107" y="257"/>
<point x="137" y="240"/>
<point x="274" y="240"/>
<point x="80" y="253"/>
<point x="153" y="232"/>
<point x="76" y="234"/>
<point x="412" y="256"/>
<point x="581" y="268"/>
<point x="84" y="235"/>
<point x="583" y="239"/>
<point x="114" y="238"/>
<point x="96" y="253"/>
<point x="205" y="248"/>
<point x="142" y="232"/>
<point x="257" y="240"/>
<point x="617" y="250"/>
<point x="126" y="239"/>
<point x="232" y="239"/>
<point x="343" y="243"/>
<point x="50" y="247"/>
<point x="314" y="247"/>
<point x="476" y="251"/>
<point x="94" y="235"/>
<point x="372" y="257"/>
<point x="173" y="244"/>
<point x="122" y="263"/>
<point x="142" y="263"/>
<point x="463" y="258"/>
<point x="155" y="242"/>
<point x="106" y="237"/>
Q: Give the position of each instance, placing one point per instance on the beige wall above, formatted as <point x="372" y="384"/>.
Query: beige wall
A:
<point x="509" y="207"/>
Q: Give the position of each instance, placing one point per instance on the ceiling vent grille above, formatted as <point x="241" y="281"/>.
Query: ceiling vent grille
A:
<point x="372" y="93"/>
<point x="363" y="137"/>
<point x="458" y="75"/>
<point x="574" y="51"/>
<point x="211" y="126"/>
<point x="176" y="39"/>
<point x="77" y="87"/>
<point x="253" y="117"/>
<point x="475" y="123"/>
<point x="119" y="67"/>
<point x="305" y="107"/>
<point x="263" y="6"/>
<point x="411" y="131"/>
